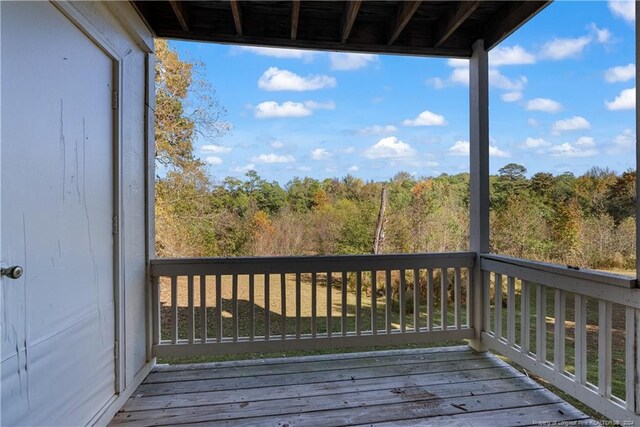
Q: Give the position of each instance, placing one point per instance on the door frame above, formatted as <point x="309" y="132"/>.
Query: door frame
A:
<point x="88" y="29"/>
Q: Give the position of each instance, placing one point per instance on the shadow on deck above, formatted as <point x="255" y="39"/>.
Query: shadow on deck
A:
<point x="436" y="386"/>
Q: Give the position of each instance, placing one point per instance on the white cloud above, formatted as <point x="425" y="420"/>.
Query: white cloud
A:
<point x="389" y="148"/>
<point x="510" y="55"/>
<point x="532" y="122"/>
<point x="350" y="61"/>
<point x="461" y="148"/>
<point x="377" y="130"/>
<point x="275" y="79"/>
<point x="544" y="104"/>
<point x="625" y="101"/>
<point x="320" y="154"/>
<point x="426" y="118"/>
<point x="436" y="82"/>
<point x="349" y="150"/>
<point x="274" y="52"/>
<point x="535" y="143"/>
<point x="621" y="73"/>
<point x="624" y="9"/>
<point x="460" y="75"/>
<point x="511" y="96"/>
<point x="353" y="168"/>
<point x="601" y="35"/>
<point x="496" y="152"/>
<point x="245" y="168"/>
<point x="499" y="80"/>
<point x="573" y="123"/>
<point x="213" y="160"/>
<point x="272" y="109"/>
<point x="623" y="143"/>
<point x="458" y="63"/>
<point x="215" y="149"/>
<point x="273" y="158"/>
<point x="583" y="147"/>
<point x="277" y="145"/>
<point x="562" y="48"/>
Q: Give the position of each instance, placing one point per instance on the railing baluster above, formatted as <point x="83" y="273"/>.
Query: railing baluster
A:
<point x="174" y="309"/>
<point x="252" y="308"/>
<point x="525" y="316"/>
<point x="430" y="302"/>
<point x="559" y="331"/>
<point x="444" y="297"/>
<point x="388" y="302"/>
<point x="344" y="303"/>
<point x="469" y="298"/>
<point x="358" y="302"/>
<point x="604" y="348"/>
<point x="416" y="300"/>
<point x="486" y="294"/>
<point x="580" y="331"/>
<point x="511" y="310"/>
<point x="190" y="313"/>
<point x="203" y="309"/>
<point x="234" y="306"/>
<point x="457" y="290"/>
<point x="218" y="307"/>
<point x="329" y="305"/>
<point x="298" y="304"/>
<point x="267" y="307"/>
<point x="498" y="305"/>
<point x="374" y="303"/>
<point x="283" y="306"/>
<point x="541" y="324"/>
<point x="403" y="302"/>
<point x="630" y="341"/>
<point x="156" y="307"/>
<point x="314" y="304"/>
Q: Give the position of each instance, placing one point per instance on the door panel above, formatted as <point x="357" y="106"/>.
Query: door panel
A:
<point x="57" y="357"/>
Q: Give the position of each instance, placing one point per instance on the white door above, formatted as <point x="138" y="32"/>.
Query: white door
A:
<point x="56" y="210"/>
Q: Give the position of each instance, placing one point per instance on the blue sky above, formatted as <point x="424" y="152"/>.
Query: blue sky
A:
<point x="561" y="99"/>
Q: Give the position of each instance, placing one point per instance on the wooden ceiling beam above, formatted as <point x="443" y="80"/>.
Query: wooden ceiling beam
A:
<point x="508" y="19"/>
<point x="180" y="10"/>
<point x="405" y="12"/>
<point x="448" y="25"/>
<point x="295" y="18"/>
<point x="348" y="18"/>
<point x="237" y="16"/>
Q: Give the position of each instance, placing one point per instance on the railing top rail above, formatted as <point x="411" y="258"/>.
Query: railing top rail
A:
<point x="598" y="285"/>
<point x="308" y="264"/>
<point x="587" y="274"/>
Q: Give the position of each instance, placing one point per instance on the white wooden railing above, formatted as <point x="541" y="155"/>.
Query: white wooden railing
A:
<point x="235" y="305"/>
<point x="604" y="306"/>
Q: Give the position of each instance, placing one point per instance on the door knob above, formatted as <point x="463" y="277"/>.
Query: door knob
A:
<point x="12" y="272"/>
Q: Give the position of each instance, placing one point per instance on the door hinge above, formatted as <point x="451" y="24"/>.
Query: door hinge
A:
<point x="114" y="100"/>
<point x="115" y="225"/>
<point x="116" y="349"/>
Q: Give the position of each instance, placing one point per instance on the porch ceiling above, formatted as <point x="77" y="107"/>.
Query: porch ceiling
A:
<point x="424" y="28"/>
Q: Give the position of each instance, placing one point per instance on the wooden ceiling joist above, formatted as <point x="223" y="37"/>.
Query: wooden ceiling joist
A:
<point x="237" y="16"/>
<point x="295" y="18"/>
<point x="181" y="14"/>
<point x="508" y="19"/>
<point x="449" y="24"/>
<point x="405" y="12"/>
<point x="348" y="18"/>
<point x="422" y="28"/>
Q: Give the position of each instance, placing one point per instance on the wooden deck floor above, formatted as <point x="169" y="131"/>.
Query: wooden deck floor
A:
<point x="439" y="386"/>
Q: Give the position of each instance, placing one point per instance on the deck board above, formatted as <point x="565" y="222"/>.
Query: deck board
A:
<point x="417" y="387"/>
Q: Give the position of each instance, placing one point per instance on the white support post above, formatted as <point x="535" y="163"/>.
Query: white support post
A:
<point x="479" y="179"/>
